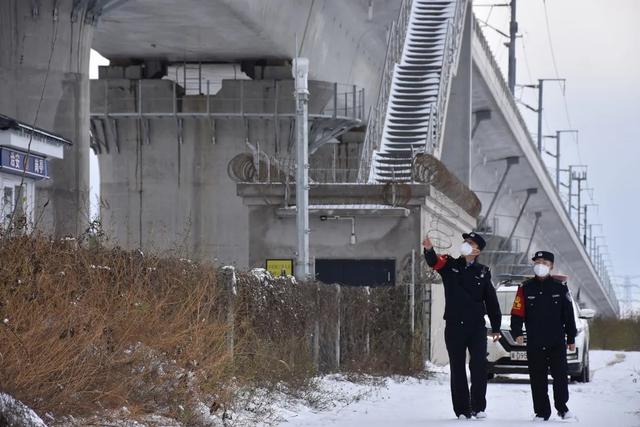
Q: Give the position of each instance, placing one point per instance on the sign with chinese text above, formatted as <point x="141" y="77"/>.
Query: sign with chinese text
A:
<point x="17" y="162"/>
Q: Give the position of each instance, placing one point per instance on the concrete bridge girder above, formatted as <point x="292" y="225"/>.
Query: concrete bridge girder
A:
<point x="505" y="134"/>
<point x="344" y="40"/>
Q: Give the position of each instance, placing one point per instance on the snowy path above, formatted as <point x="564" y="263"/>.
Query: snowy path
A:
<point x="611" y="399"/>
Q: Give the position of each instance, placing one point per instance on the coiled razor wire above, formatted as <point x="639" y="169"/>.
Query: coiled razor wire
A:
<point x="429" y="170"/>
<point x="245" y="167"/>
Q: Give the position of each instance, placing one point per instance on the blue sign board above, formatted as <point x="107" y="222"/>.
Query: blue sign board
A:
<point x="13" y="161"/>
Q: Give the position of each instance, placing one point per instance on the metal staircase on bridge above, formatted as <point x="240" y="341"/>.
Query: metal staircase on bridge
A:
<point x="412" y="108"/>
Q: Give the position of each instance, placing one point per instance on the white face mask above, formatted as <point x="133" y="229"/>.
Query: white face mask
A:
<point x="466" y="249"/>
<point x="541" y="270"/>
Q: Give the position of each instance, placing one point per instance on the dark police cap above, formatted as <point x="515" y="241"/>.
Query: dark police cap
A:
<point x="475" y="237"/>
<point x="543" y="255"/>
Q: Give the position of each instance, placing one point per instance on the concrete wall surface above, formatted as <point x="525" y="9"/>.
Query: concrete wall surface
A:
<point x="44" y="66"/>
<point x="274" y="236"/>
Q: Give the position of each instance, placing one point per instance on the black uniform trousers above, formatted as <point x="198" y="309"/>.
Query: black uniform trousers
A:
<point x="541" y="361"/>
<point x="460" y="336"/>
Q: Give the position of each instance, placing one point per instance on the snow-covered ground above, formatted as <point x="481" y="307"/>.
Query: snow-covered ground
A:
<point x="611" y="399"/>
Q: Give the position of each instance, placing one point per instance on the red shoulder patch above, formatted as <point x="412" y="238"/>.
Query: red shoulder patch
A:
<point x="442" y="261"/>
<point x="518" y="303"/>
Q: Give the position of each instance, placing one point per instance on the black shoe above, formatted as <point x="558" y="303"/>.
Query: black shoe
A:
<point x="566" y="415"/>
<point x="481" y="415"/>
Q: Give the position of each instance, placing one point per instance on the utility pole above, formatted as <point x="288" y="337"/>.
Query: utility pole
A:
<point x="540" y="87"/>
<point x="557" y="154"/>
<point x="591" y="237"/>
<point x="301" y="74"/>
<point x="513" y="31"/>
<point x="601" y="268"/>
<point x="569" y="187"/>
<point x="579" y="177"/>
<point x="585" y="222"/>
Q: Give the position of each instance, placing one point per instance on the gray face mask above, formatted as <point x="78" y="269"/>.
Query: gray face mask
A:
<point x="541" y="270"/>
<point x="465" y="249"/>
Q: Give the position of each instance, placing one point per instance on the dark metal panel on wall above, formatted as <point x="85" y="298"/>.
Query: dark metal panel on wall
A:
<point x="357" y="272"/>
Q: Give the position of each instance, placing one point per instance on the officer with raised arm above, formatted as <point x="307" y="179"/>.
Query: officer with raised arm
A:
<point x="469" y="295"/>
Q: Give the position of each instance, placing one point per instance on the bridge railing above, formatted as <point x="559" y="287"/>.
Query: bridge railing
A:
<point x="225" y="98"/>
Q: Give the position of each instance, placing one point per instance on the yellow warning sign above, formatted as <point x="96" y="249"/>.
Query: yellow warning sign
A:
<point x="280" y="267"/>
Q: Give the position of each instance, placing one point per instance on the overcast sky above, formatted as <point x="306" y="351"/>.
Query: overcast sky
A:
<point x="597" y="49"/>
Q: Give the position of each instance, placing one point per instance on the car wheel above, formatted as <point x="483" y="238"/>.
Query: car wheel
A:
<point x="586" y="373"/>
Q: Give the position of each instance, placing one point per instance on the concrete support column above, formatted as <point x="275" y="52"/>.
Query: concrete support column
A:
<point x="457" y="135"/>
<point x="44" y="68"/>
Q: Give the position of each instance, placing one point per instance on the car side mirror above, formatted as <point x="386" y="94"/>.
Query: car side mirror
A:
<point x="587" y="313"/>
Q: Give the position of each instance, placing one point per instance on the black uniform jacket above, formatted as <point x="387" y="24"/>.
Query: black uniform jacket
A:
<point x="469" y="293"/>
<point x="545" y="307"/>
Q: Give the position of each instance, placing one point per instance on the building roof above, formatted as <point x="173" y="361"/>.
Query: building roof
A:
<point x="9" y="123"/>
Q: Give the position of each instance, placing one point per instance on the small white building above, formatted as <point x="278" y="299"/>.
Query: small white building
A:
<point x="25" y="152"/>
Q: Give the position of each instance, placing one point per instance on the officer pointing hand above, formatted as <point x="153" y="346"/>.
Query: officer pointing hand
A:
<point x="469" y="295"/>
<point x="428" y="245"/>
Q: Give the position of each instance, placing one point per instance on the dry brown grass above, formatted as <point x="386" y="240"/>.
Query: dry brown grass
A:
<point x="90" y="330"/>
<point x="93" y="328"/>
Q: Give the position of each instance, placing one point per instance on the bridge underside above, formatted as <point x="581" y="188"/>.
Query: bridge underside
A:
<point x="345" y="41"/>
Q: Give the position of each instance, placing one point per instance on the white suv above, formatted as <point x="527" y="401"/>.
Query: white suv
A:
<point x="508" y="357"/>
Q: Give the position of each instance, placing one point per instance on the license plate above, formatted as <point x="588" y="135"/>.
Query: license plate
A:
<point x="519" y="355"/>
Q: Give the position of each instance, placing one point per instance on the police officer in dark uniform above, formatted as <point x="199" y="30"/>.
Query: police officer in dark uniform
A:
<point x="543" y="304"/>
<point x="469" y="295"/>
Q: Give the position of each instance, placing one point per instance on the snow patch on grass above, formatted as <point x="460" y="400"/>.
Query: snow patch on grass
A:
<point x="15" y="413"/>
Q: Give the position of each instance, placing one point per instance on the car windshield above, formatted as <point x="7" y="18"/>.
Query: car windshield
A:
<point x="505" y="299"/>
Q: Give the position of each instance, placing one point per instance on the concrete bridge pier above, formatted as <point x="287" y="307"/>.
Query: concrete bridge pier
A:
<point x="165" y="151"/>
<point x="44" y="80"/>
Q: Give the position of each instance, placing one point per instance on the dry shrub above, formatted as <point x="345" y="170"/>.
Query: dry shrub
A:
<point x="277" y="321"/>
<point x="376" y="332"/>
<point x="90" y="329"/>
<point x="86" y="329"/>
<point x="272" y="331"/>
